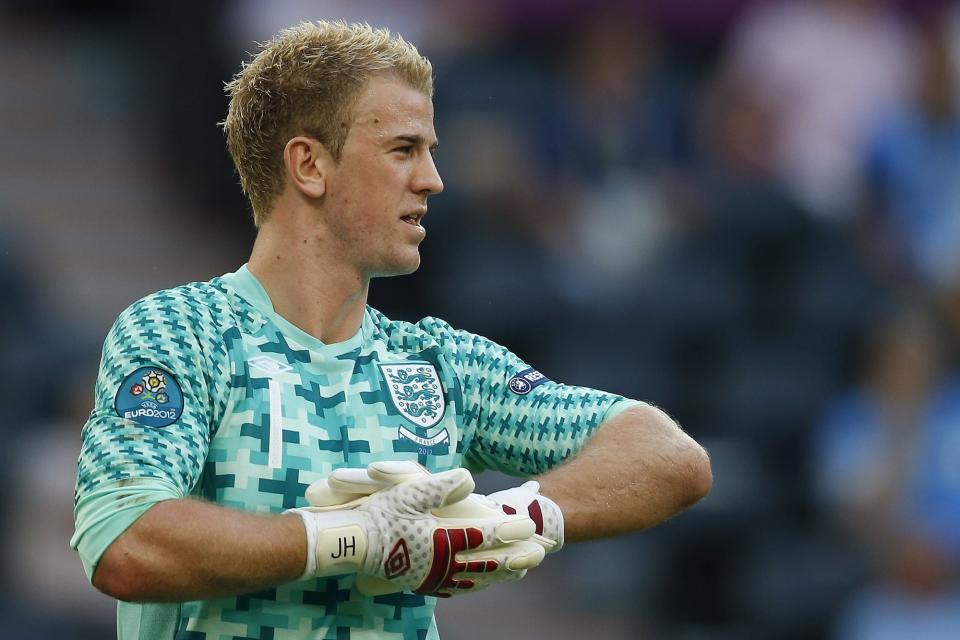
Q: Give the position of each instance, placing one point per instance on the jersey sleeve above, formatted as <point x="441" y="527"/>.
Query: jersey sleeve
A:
<point x="156" y="404"/>
<point x="523" y="423"/>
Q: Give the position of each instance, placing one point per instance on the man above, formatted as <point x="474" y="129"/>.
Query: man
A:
<point x="219" y="403"/>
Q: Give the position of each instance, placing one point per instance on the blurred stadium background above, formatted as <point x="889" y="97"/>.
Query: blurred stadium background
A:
<point x="747" y="212"/>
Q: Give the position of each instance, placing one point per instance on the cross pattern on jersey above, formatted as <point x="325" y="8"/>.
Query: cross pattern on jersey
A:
<point x="268" y="409"/>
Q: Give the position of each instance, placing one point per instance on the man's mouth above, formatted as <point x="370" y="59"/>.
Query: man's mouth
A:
<point x="413" y="219"/>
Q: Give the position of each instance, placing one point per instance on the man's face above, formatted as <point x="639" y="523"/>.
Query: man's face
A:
<point x="377" y="194"/>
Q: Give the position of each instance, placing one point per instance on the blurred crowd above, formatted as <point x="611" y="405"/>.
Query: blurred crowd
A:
<point x="744" y="211"/>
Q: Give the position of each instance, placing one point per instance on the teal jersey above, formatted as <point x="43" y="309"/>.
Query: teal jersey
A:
<point x="205" y="391"/>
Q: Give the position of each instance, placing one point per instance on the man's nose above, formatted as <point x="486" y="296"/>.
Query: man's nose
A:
<point x="427" y="179"/>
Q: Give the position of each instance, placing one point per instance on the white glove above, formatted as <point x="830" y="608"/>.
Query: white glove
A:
<point x="350" y="487"/>
<point x="408" y="535"/>
<point x="347" y="488"/>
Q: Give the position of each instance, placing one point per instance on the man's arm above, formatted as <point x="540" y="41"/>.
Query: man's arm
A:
<point x="638" y="469"/>
<point x="186" y="549"/>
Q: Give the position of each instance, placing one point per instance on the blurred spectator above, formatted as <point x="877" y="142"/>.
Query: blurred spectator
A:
<point x="826" y="69"/>
<point x="614" y="135"/>
<point x="758" y="296"/>
<point x="886" y="472"/>
<point x="49" y="595"/>
<point x="249" y="21"/>
<point x="913" y="168"/>
<point x="32" y="345"/>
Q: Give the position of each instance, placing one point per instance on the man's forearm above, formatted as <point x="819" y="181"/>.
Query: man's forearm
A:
<point x="639" y="469"/>
<point x="187" y="550"/>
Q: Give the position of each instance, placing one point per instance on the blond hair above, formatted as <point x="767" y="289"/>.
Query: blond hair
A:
<point x="306" y="81"/>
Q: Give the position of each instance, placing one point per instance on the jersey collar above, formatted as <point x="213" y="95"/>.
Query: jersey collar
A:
<point x="246" y="285"/>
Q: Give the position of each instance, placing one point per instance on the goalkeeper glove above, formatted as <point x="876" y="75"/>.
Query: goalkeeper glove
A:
<point x="407" y="534"/>
<point x="350" y="487"/>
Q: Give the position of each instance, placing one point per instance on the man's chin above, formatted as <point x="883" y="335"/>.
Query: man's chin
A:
<point x="404" y="269"/>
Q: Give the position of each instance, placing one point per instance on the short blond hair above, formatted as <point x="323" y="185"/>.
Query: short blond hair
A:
<point x="306" y="81"/>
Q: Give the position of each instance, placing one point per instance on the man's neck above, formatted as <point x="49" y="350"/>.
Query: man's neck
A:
<point x="308" y="288"/>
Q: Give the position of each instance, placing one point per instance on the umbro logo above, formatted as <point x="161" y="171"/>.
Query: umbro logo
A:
<point x="268" y="365"/>
<point x="398" y="562"/>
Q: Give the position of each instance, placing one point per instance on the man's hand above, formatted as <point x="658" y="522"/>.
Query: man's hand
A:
<point x="346" y="488"/>
<point x="350" y="487"/>
<point x="411" y="533"/>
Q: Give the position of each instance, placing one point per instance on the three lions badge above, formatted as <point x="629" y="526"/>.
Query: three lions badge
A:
<point x="417" y="394"/>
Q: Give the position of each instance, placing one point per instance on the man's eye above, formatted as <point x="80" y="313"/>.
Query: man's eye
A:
<point x="405" y="150"/>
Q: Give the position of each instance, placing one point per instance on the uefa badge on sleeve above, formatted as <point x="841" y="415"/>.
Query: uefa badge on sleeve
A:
<point x="150" y="396"/>
<point x="525" y="381"/>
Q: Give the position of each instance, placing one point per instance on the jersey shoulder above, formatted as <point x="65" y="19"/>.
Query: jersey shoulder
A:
<point x="205" y="300"/>
<point x="187" y="313"/>
<point x="416" y="336"/>
<point x="463" y="349"/>
<point x="182" y="329"/>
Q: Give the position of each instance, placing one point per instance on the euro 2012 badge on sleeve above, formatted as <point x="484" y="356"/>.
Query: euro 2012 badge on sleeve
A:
<point x="150" y="396"/>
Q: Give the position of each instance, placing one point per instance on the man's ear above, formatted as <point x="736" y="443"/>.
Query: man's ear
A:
<point x="307" y="163"/>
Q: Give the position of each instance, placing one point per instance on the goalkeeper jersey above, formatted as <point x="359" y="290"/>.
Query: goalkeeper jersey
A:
<point x="204" y="390"/>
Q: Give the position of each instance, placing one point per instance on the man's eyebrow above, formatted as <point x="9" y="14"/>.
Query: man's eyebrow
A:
<point x="416" y="139"/>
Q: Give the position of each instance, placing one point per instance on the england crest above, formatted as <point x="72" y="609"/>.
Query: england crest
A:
<point x="416" y="392"/>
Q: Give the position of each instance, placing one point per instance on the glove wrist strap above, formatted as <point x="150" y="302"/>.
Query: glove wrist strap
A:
<point x="552" y="506"/>
<point x="336" y="543"/>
